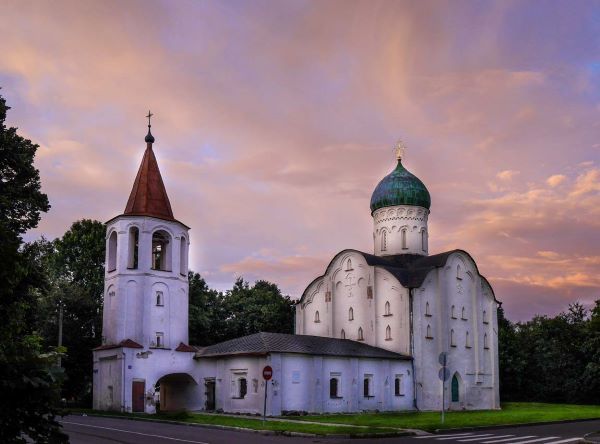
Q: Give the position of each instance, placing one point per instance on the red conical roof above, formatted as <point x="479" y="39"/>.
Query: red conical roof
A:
<point x="148" y="196"/>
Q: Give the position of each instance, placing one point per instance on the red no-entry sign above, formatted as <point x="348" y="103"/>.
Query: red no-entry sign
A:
<point x="267" y="373"/>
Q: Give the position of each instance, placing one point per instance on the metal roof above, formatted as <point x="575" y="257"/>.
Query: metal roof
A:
<point x="263" y="343"/>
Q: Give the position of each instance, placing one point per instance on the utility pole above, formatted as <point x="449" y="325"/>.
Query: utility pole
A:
<point x="60" y="330"/>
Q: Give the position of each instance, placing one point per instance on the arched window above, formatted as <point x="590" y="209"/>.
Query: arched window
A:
<point x="388" y="333"/>
<point x="367" y="386"/>
<point x="387" y="310"/>
<point x="453" y="312"/>
<point x="429" y="336"/>
<point x="404" y="247"/>
<point x="455" y="391"/>
<point x="134" y="239"/>
<point x="485" y="318"/>
<point x="360" y="334"/>
<point x="485" y="342"/>
<point x="343" y="334"/>
<point x="183" y="257"/>
<point x="398" y="389"/>
<point x="161" y="251"/>
<point x="112" y="251"/>
<point x="349" y="265"/>
<point x="350" y="314"/>
<point x="463" y="313"/>
<point x="383" y="240"/>
<point x="467" y="341"/>
<point x="452" y="341"/>
<point x="427" y="312"/>
<point x="424" y="240"/>
<point x="317" y="319"/>
<point x="333" y="388"/>
<point x="458" y="272"/>
<point x="159" y="299"/>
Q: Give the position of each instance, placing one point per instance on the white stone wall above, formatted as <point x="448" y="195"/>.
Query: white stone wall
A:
<point x="353" y="284"/>
<point x="474" y="365"/>
<point x="301" y="383"/>
<point x="394" y="221"/>
<point x="119" y="367"/>
<point x="130" y="309"/>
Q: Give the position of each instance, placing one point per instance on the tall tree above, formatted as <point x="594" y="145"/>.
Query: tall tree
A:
<point x="261" y="307"/>
<point x="28" y="381"/>
<point x="74" y="265"/>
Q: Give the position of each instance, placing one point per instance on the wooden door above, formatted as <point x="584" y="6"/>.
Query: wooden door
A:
<point x="138" y="389"/>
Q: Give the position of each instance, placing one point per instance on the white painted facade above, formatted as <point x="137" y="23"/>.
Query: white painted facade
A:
<point x="442" y="304"/>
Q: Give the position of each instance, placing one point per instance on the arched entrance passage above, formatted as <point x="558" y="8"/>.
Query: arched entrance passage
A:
<point x="178" y="391"/>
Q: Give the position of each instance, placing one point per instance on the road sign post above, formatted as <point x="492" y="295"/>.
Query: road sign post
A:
<point x="267" y="375"/>
<point x="444" y="375"/>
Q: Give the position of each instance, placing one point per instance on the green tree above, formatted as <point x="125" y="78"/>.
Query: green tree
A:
<point x="261" y="307"/>
<point x="206" y="313"/>
<point x="74" y="265"/>
<point x="29" y="381"/>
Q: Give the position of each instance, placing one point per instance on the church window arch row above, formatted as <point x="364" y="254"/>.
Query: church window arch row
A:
<point x="343" y="334"/>
<point x="387" y="311"/>
<point x="485" y="317"/>
<point x="388" y="333"/>
<point x="317" y="317"/>
<point x="459" y="272"/>
<point x="452" y="339"/>
<point x="349" y="265"/>
<point x="453" y="312"/>
<point x="467" y="340"/>
<point x="463" y="314"/>
<point x="350" y="314"/>
<point x="383" y="240"/>
<point x="112" y="251"/>
<point x="403" y="231"/>
<point x="424" y="239"/>
<point x="486" y="345"/>
<point x="134" y="245"/>
<point x="183" y="265"/>
<point x="427" y="309"/>
<point x="162" y="245"/>
<point x="428" y="334"/>
<point x="360" y="335"/>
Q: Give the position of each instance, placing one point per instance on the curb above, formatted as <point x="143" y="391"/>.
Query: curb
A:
<point x="587" y="438"/>
<point x="521" y="424"/>
<point x="262" y="432"/>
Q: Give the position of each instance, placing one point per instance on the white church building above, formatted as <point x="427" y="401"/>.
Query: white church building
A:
<point x="369" y="331"/>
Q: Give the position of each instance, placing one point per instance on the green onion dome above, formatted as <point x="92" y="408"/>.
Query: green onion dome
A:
<point x="400" y="187"/>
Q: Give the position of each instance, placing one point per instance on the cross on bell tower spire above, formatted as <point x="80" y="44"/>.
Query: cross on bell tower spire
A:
<point x="149" y="137"/>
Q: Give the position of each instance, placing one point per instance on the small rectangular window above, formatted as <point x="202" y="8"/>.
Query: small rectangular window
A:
<point x="160" y="340"/>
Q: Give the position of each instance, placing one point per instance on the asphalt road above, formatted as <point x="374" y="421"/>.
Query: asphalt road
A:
<point x="98" y="430"/>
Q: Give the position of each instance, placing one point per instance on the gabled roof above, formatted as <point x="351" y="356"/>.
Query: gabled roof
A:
<point x="264" y="343"/>
<point x="125" y="343"/>
<point x="410" y="269"/>
<point x="148" y="196"/>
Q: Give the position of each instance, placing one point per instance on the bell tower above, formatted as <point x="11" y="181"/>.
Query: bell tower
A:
<point x="146" y="284"/>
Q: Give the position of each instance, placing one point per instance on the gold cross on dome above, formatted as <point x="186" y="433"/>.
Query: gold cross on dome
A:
<point x="400" y="149"/>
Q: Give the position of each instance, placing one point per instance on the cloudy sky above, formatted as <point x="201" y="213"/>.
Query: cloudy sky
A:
<point x="274" y="121"/>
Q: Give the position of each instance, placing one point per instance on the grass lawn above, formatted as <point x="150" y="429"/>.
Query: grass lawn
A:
<point x="511" y="413"/>
<point x="246" y="422"/>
